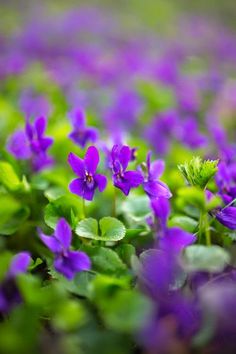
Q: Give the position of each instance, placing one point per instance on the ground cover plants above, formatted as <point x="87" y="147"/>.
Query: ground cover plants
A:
<point x="118" y="187"/>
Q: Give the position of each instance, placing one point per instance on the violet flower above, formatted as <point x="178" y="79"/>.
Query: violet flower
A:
<point x="31" y="144"/>
<point x="66" y="262"/>
<point x="122" y="179"/>
<point x="173" y="239"/>
<point x="81" y="134"/>
<point x="9" y="293"/>
<point x="151" y="185"/>
<point x="88" y="180"/>
<point x="227" y="217"/>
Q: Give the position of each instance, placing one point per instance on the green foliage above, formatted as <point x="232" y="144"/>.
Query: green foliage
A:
<point x="8" y="177"/>
<point x="198" y="172"/>
<point x="111" y="229"/>
<point x="205" y="258"/>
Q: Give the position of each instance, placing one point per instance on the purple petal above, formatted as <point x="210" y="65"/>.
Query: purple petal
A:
<point x="77" y="164"/>
<point x="41" y="161"/>
<point x="227" y="217"/>
<point x="161" y="209"/>
<point x="77" y="118"/>
<point x="157" y="168"/>
<point x="51" y="242"/>
<point x="18" y="145"/>
<point x="124" y="156"/>
<point x="77" y="187"/>
<point x="29" y="130"/>
<point x="79" y="261"/>
<point x="63" y="233"/>
<point x="176" y="240"/>
<point x="62" y="265"/>
<point x="45" y="143"/>
<point x="134" y="177"/>
<point x="19" y="263"/>
<point x="88" y="193"/>
<point x="101" y="182"/>
<point x="91" y="159"/>
<point x="40" y="126"/>
<point x="157" y="189"/>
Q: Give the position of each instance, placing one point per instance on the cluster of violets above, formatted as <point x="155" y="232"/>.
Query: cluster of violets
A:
<point x="182" y="303"/>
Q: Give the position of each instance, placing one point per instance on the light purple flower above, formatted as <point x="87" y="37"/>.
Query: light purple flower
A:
<point x="122" y="179"/>
<point x="151" y="185"/>
<point x="31" y="144"/>
<point x="67" y="262"/>
<point x="81" y="134"/>
<point x="88" y="180"/>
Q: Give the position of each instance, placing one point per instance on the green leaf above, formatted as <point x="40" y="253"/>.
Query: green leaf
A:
<point x="69" y="316"/>
<point x="111" y="229"/>
<point x="126" y="251"/>
<point x="191" y="196"/>
<point x="105" y="260"/>
<point x="12" y="214"/>
<point x="184" y="222"/>
<point x="127" y="311"/>
<point x="8" y="177"/>
<point x="136" y="208"/>
<point x="66" y="207"/>
<point x="198" y="172"/>
<point x="205" y="258"/>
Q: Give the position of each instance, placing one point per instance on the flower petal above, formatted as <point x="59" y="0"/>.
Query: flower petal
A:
<point x="77" y="187"/>
<point x="40" y="126"/>
<point x="19" y="263"/>
<point x="91" y="159"/>
<point x="63" y="233"/>
<point x="79" y="261"/>
<point x="77" y="118"/>
<point x="51" y="242"/>
<point x="135" y="178"/>
<point x="161" y="209"/>
<point x="18" y="145"/>
<point x="125" y="156"/>
<point x="101" y="182"/>
<point x="88" y="193"/>
<point x="176" y="240"/>
<point x="157" y="168"/>
<point x="157" y="189"/>
<point x="77" y="164"/>
<point x="227" y="217"/>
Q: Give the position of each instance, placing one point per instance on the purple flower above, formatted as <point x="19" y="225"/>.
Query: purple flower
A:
<point x="226" y="181"/>
<point x="88" y="180"/>
<point x="81" y="134"/>
<point x="152" y="186"/>
<point x="227" y="217"/>
<point x="190" y="135"/>
<point x="32" y="144"/>
<point x="9" y="293"/>
<point x="173" y="239"/>
<point x="66" y="262"/>
<point x="162" y="130"/>
<point x="122" y="179"/>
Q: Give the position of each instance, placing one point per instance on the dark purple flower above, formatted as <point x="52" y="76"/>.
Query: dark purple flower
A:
<point x="152" y="186"/>
<point x="32" y="144"/>
<point x="66" y="262"/>
<point x="9" y="292"/>
<point x="227" y="217"/>
<point x="122" y="179"/>
<point x="88" y="180"/>
<point x="81" y="134"/>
